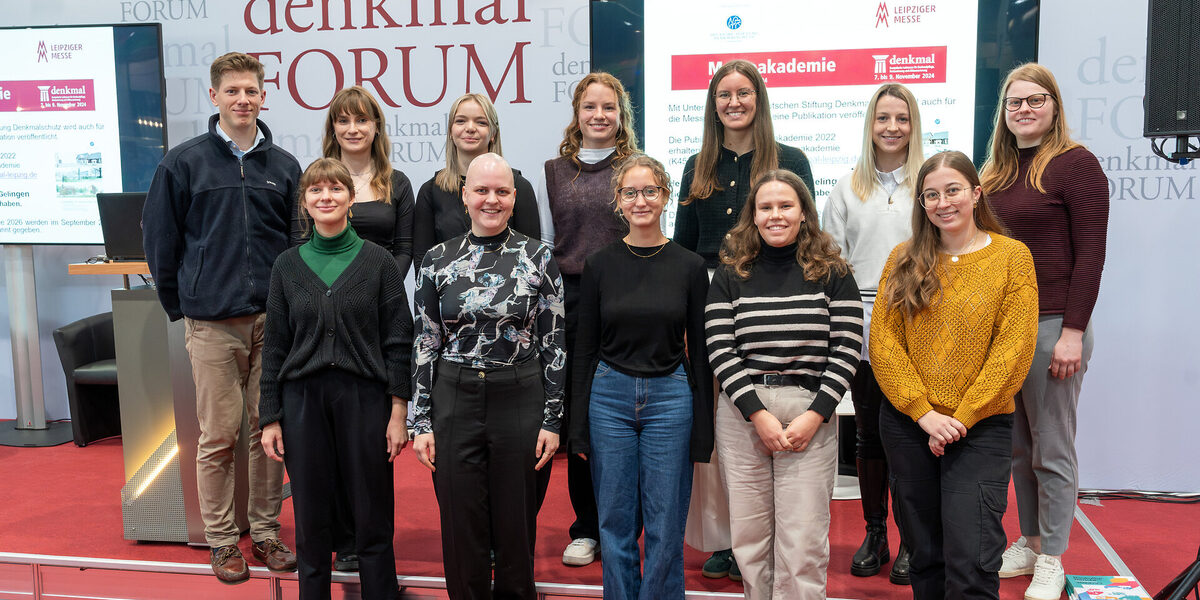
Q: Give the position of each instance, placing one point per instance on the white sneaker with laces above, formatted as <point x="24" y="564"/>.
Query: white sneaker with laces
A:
<point x="1018" y="560"/>
<point x="580" y="552"/>
<point x="1048" y="579"/>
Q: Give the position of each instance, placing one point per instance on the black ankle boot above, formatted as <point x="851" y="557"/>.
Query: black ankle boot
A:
<point x="899" y="574"/>
<point x="873" y="553"/>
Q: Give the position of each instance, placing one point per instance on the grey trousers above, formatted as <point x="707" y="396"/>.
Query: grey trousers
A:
<point x="1045" y="468"/>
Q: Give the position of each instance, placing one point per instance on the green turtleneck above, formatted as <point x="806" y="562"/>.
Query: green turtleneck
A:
<point x="329" y="256"/>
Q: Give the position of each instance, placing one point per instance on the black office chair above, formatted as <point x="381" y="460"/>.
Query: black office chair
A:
<point x="88" y="356"/>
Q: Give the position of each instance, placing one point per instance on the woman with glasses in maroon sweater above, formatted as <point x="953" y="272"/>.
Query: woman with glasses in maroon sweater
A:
<point x="1052" y="195"/>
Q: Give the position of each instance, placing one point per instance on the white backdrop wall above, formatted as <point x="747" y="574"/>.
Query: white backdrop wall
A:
<point x="416" y="57"/>
<point x="1139" y="419"/>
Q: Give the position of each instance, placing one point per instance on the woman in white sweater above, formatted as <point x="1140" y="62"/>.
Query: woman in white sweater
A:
<point x="867" y="214"/>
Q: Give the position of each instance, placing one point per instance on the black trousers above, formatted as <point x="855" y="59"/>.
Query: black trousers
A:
<point x="579" y="472"/>
<point x="334" y="434"/>
<point x="951" y="507"/>
<point x="867" y="398"/>
<point x="485" y="430"/>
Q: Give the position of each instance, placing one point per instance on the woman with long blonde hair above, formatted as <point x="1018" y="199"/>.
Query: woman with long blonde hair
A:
<point x="472" y="130"/>
<point x="868" y="212"/>
<point x="784" y="331"/>
<point x="952" y="337"/>
<point x="1052" y="194"/>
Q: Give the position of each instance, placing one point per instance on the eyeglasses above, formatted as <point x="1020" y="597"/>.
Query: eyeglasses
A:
<point x="743" y="95"/>
<point x="628" y="195"/>
<point x="1035" y="101"/>
<point x="953" y="195"/>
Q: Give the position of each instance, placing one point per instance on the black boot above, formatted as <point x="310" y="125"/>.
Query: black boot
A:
<point x="899" y="574"/>
<point x="872" y="484"/>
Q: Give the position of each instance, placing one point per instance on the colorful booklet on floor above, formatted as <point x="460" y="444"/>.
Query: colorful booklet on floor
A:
<point x="1087" y="587"/>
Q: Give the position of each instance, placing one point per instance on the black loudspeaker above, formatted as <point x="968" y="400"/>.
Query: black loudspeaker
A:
<point x="1173" y="68"/>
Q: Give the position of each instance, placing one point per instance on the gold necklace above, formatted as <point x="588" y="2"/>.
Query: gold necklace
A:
<point x="660" y="249"/>
<point x="965" y="250"/>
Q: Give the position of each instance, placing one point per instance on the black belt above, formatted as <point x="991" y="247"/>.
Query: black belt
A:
<point x="807" y="382"/>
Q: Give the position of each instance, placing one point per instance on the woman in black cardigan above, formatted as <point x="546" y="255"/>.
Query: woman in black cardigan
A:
<point x="335" y="382"/>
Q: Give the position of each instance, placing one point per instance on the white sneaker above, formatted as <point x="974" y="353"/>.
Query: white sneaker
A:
<point x="1018" y="560"/>
<point x="580" y="552"/>
<point x="1048" y="579"/>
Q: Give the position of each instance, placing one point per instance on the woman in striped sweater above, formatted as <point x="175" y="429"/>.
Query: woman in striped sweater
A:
<point x="784" y="328"/>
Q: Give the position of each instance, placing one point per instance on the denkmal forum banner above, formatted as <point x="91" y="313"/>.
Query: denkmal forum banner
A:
<point x="415" y="56"/>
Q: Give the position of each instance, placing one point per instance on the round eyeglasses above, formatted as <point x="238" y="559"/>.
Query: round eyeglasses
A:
<point x="953" y="195"/>
<point x="628" y="195"/>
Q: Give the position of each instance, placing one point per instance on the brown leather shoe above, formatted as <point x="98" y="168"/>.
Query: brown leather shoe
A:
<point x="273" y="553"/>
<point x="229" y="565"/>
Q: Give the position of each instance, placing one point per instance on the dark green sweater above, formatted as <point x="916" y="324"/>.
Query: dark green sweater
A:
<point x="329" y="256"/>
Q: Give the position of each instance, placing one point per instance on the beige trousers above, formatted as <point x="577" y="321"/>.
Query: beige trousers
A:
<point x="226" y="361"/>
<point x="778" y="502"/>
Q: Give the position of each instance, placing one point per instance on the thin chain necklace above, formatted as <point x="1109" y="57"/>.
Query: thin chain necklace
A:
<point x="660" y="249"/>
<point x="965" y="250"/>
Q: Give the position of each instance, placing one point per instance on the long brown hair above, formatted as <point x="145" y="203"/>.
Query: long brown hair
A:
<point x="766" y="155"/>
<point x="914" y="284"/>
<point x="815" y="250"/>
<point x="351" y="102"/>
<point x="1000" y="168"/>
<point x="864" y="180"/>
<point x="450" y="178"/>
<point x="322" y="169"/>
<point x="627" y="142"/>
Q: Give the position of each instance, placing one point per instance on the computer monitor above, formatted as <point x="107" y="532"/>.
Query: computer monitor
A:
<point x="121" y="223"/>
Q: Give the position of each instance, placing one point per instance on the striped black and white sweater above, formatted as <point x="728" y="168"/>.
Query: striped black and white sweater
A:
<point x="776" y="321"/>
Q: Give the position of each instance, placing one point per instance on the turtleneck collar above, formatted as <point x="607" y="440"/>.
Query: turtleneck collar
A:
<point x="334" y="245"/>
<point x="781" y="255"/>
<point x="490" y="242"/>
<point x="1027" y="153"/>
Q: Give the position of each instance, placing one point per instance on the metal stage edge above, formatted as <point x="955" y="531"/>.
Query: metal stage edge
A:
<point x="35" y="576"/>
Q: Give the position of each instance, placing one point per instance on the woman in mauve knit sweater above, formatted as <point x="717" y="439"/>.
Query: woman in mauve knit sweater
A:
<point x="952" y="336"/>
<point x="1052" y="195"/>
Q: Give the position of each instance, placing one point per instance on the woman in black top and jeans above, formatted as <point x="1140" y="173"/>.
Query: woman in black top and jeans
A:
<point x="489" y="384"/>
<point x="645" y="403"/>
<point x="335" y="382"/>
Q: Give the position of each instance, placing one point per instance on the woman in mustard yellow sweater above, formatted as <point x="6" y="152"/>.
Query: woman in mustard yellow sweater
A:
<point x="952" y="338"/>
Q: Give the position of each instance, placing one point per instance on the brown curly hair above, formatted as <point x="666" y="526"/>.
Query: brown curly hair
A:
<point x="815" y="250"/>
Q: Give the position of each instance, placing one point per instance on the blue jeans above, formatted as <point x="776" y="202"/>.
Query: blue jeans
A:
<point x="641" y="431"/>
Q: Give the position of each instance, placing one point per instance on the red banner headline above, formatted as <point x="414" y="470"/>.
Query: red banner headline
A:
<point x="60" y="94"/>
<point x="806" y="68"/>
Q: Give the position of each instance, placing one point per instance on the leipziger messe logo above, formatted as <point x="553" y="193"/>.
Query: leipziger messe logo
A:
<point x="733" y="22"/>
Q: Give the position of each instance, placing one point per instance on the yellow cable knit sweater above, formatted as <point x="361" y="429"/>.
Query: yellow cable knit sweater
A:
<point x="967" y="354"/>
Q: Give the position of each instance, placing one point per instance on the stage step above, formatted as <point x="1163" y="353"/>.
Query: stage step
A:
<point x="30" y="576"/>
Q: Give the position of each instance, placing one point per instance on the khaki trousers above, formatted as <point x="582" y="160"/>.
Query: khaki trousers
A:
<point x="226" y="360"/>
<point x="778" y="502"/>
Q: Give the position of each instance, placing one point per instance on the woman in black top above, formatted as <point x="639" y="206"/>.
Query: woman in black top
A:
<point x="645" y="403"/>
<point x="335" y="382"/>
<point x="737" y="148"/>
<point x="489" y="383"/>
<point x="473" y="129"/>
<point x="355" y="134"/>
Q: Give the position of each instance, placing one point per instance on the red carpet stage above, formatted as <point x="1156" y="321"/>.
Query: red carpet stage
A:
<point x="62" y="504"/>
